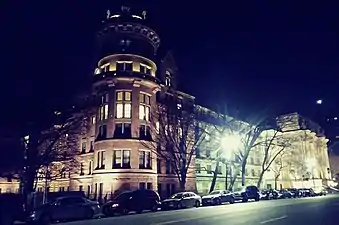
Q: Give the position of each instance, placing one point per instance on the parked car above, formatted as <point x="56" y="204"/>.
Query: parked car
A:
<point x="269" y="194"/>
<point x="320" y="191"/>
<point x="250" y="192"/>
<point x="218" y="197"/>
<point x="307" y="192"/>
<point x="295" y="192"/>
<point x="65" y="209"/>
<point x="136" y="201"/>
<point x="181" y="200"/>
<point x="285" y="193"/>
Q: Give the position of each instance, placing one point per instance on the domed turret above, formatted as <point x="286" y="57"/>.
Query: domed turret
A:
<point x="126" y="33"/>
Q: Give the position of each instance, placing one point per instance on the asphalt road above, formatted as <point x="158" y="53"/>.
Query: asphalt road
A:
<point x="322" y="210"/>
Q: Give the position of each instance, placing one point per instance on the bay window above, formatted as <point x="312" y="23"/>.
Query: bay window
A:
<point x="144" y="106"/>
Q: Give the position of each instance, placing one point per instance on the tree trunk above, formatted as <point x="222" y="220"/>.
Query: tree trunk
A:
<point x="276" y="183"/>
<point x="215" y="176"/>
<point x="28" y="187"/>
<point x="233" y="179"/>
<point x="243" y="169"/>
<point x="260" y="179"/>
<point x="182" y="181"/>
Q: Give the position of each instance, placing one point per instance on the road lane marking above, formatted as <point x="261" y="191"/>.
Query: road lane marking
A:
<point x="197" y="218"/>
<point x="273" y="219"/>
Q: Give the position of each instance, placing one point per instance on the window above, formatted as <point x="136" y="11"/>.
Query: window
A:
<point x="82" y="169"/>
<point x="169" y="169"/>
<point x="103" y="112"/>
<point x="144" y="106"/>
<point x="91" y="146"/>
<point x="102" y="132"/>
<point x="219" y="170"/>
<point x="159" y="166"/>
<point x="145" y="69"/>
<point x="123" y="105"/>
<point x="149" y="186"/>
<point x="124" y="66"/>
<point x="122" y="130"/>
<point x="90" y="167"/>
<point x="121" y="159"/>
<point x="142" y="186"/>
<point x="81" y="188"/>
<point x="253" y="172"/>
<point x="105" y="68"/>
<point x="83" y="146"/>
<point x="168" y="79"/>
<point x="145" y="132"/>
<point x="93" y="119"/>
<point x="208" y="153"/>
<point x="198" y="168"/>
<point x="101" y="160"/>
<point x="209" y="169"/>
<point x="145" y="161"/>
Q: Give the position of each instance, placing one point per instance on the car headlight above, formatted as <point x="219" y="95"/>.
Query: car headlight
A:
<point x="115" y="205"/>
<point x="32" y="215"/>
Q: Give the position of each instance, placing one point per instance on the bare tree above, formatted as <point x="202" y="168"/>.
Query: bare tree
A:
<point x="174" y="137"/>
<point x="45" y="142"/>
<point x="277" y="168"/>
<point x="272" y="144"/>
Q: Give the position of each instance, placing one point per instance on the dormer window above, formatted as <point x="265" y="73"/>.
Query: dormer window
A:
<point x="168" y="78"/>
<point x="145" y="69"/>
<point x="124" y="66"/>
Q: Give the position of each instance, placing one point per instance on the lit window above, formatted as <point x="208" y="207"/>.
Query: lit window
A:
<point x="144" y="107"/>
<point x="145" y="69"/>
<point x="103" y="114"/>
<point x="145" y="161"/>
<point x="123" y="105"/>
<point x="93" y="119"/>
<point x="105" y="68"/>
<point x="121" y="159"/>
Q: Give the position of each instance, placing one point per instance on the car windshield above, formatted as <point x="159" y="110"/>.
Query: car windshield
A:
<point x="215" y="193"/>
<point x="122" y="196"/>
<point x="177" y="196"/>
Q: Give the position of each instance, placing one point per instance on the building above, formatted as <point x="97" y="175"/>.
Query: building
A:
<point x="112" y="158"/>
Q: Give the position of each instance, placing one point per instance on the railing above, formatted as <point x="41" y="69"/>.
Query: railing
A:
<point x="129" y="74"/>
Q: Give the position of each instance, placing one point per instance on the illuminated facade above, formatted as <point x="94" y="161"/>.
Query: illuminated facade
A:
<point x="303" y="164"/>
<point x="112" y="157"/>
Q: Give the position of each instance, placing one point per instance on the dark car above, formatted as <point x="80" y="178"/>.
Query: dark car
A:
<point x="295" y="192"/>
<point x="65" y="209"/>
<point x="181" y="200"/>
<point x="132" y="201"/>
<point x="285" y="193"/>
<point x="250" y="192"/>
<point x="307" y="192"/>
<point x="217" y="198"/>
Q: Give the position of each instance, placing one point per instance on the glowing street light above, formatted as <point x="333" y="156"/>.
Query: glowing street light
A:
<point x="319" y="101"/>
<point x="229" y="143"/>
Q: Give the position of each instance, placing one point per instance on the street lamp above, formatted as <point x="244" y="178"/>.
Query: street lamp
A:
<point x="229" y="143"/>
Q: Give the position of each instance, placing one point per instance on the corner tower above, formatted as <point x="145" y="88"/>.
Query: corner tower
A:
<point x="126" y="69"/>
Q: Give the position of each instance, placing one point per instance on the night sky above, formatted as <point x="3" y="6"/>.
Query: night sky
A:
<point x="249" y="55"/>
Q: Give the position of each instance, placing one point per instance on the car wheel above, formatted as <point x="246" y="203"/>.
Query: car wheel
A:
<point x="89" y="214"/>
<point x="197" y="204"/>
<point x="257" y="198"/>
<point x="155" y="208"/>
<point x="179" y="206"/>
<point x="216" y="201"/>
<point x="45" y="219"/>
<point x="245" y="199"/>
<point x="124" y="211"/>
<point x="232" y="201"/>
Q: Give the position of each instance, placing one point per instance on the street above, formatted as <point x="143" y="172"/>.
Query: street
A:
<point x="312" y="211"/>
